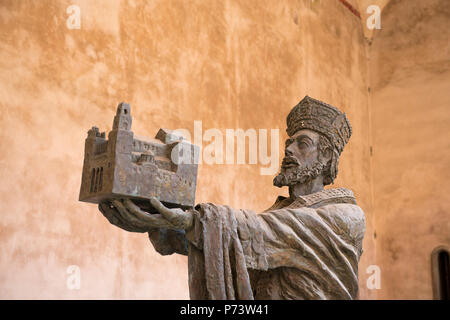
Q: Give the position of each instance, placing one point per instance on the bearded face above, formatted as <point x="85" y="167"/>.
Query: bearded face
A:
<point x="302" y="162"/>
<point x="298" y="174"/>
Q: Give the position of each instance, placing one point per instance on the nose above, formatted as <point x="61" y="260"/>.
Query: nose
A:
<point x="288" y="152"/>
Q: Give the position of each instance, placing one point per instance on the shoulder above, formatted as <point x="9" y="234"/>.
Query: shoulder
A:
<point x="345" y="216"/>
<point x="279" y="203"/>
<point x="342" y="209"/>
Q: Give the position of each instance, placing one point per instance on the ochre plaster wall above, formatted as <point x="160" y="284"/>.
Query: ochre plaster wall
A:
<point x="231" y="64"/>
<point x="410" y="68"/>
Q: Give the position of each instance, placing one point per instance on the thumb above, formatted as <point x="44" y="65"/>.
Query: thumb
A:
<point x="163" y="210"/>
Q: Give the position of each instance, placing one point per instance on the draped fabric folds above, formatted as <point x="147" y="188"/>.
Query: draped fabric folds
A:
<point x="296" y="250"/>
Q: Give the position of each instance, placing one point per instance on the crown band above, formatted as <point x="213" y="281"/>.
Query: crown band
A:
<point x="320" y="117"/>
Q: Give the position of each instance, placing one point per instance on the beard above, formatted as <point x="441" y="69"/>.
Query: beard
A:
<point x="298" y="174"/>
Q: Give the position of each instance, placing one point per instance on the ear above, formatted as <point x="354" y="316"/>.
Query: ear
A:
<point x="327" y="154"/>
<point x="325" y="150"/>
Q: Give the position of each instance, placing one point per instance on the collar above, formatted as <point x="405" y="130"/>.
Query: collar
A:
<point x="316" y="200"/>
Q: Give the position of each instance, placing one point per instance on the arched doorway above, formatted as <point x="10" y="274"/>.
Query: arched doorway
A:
<point x="440" y="267"/>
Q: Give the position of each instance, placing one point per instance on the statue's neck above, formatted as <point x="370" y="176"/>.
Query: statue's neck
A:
<point x="303" y="189"/>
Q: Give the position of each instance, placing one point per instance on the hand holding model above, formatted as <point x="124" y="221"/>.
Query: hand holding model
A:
<point x="128" y="216"/>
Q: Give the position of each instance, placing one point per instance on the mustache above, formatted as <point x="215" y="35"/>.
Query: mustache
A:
<point x="289" y="161"/>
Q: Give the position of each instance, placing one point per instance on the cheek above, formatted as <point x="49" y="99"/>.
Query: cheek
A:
<point x="308" y="156"/>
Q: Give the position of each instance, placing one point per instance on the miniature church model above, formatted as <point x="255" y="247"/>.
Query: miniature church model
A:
<point x="125" y="166"/>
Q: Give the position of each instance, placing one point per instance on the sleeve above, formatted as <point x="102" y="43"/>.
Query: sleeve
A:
<point x="166" y="241"/>
<point x="211" y="221"/>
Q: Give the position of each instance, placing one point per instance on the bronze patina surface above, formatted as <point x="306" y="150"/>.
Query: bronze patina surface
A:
<point x="138" y="168"/>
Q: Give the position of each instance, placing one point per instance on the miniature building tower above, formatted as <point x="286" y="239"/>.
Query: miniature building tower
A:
<point x="93" y="175"/>
<point x="122" y="120"/>
<point x="128" y="167"/>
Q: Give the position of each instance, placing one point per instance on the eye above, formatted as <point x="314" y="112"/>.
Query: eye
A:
<point x="302" y="144"/>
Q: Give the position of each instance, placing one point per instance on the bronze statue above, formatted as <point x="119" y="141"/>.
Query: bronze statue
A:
<point x="306" y="246"/>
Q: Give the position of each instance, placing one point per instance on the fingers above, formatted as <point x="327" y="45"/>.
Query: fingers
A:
<point x="125" y="214"/>
<point x="177" y="217"/>
<point x="153" y="220"/>
<point x="166" y="212"/>
<point x="110" y="214"/>
<point x="114" y="217"/>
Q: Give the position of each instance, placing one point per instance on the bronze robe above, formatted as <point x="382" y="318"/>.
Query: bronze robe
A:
<point x="303" y="249"/>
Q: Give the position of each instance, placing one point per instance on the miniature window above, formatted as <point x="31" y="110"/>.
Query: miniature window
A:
<point x="97" y="178"/>
<point x="91" y="189"/>
<point x="100" y="183"/>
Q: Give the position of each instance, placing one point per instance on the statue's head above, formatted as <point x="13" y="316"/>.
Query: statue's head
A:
<point x="318" y="132"/>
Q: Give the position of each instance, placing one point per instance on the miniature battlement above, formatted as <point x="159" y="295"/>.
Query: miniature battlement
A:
<point x="125" y="166"/>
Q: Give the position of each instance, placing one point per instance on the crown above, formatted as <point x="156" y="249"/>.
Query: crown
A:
<point x="321" y="117"/>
